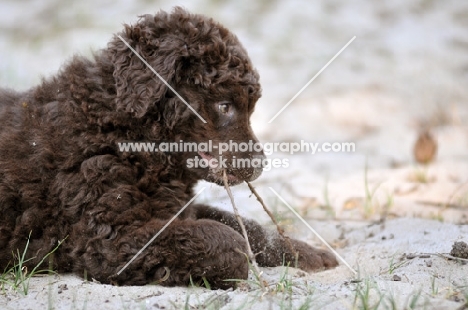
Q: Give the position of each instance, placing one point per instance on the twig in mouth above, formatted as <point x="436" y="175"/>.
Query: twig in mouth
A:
<point x="244" y="231"/>
<point x="278" y="227"/>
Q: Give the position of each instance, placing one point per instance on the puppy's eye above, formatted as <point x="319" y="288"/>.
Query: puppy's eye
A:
<point x="223" y="107"/>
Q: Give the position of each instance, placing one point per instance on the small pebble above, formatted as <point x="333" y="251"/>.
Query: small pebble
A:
<point x="429" y="263"/>
<point x="455" y="299"/>
<point x="396" y="277"/>
<point x="459" y="249"/>
<point x="301" y="274"/>
<point x="61" y="288"/>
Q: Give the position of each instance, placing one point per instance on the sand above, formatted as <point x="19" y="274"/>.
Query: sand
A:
<point x="397" y="261"/>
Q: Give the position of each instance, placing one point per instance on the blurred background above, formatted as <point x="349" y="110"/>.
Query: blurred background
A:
<point x="407" y="70"/>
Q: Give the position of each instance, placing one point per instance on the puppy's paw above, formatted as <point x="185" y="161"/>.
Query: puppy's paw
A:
<point x="312" y="259"/>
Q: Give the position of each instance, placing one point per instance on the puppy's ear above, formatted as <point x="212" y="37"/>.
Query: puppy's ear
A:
<point x="138" y="88"/>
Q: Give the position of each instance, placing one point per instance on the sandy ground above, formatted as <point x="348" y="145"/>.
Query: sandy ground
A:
<point x="397" y="262"/>
<point x="389" y="218"/>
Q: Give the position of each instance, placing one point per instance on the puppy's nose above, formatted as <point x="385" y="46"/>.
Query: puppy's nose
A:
<point x="258" y="168"/>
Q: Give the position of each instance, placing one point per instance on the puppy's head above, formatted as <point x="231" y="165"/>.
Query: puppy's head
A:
<point x="201" y="88"/>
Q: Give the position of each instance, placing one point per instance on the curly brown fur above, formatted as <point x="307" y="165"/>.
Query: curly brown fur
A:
<point x="62" y="174"/>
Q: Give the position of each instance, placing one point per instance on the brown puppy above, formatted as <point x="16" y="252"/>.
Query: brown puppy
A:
<point x="62" y="174"/>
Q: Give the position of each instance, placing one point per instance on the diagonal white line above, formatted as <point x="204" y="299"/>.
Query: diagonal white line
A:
<point x="311" y="80"/>
<point x="313" y="230"/>
<point x="161" y="78"/>
<point x="160" y="231"/>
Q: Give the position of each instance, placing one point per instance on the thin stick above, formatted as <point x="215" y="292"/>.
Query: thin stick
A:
<point x="447" y="256"/>
<point x="244" y="231"/>
<point x="278" y="227"/>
